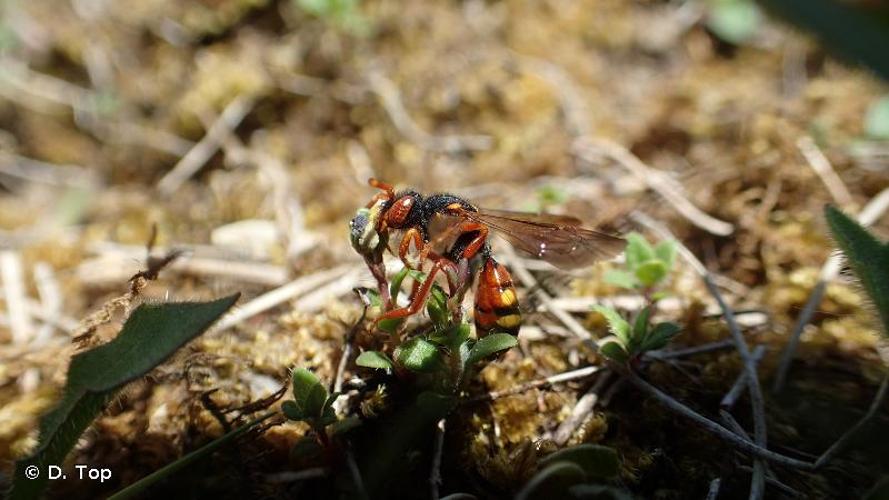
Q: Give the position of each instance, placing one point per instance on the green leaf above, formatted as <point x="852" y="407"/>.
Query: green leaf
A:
<point x="868" y="257"/>
<point x="292" y="411"/>
<point x="309" y="394"/>
<point x="140" y="486"/>
<point x="552" y="481"/>
<point x="651" y="273"/>
<point x="640" y="326"/>
<point x="665" y="251"/>
<point x="876" y="122"/>
<point x="616" y="324"/>
<point x="614" y="351"/>
<point x="638" y="250"/>
<point x="734" y="21"/>
<point x="397" y="280"/>
<point x="150" y="335"/>
<point x="492" y="344"/>
<point x="437" y="307"/>
<point x="453" y="337"/>
<point x="660" y="336"/>
<point x="390" y="325"/>
<point x="599" y="462"/>
<point x="418" y="355"/>
<point x="374" y="359"/>
<point x="835" y="23"/>
<point x="621" y="278"/>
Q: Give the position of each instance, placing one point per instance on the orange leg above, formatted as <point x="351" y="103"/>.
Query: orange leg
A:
<point x="411" y="236"/>
<point x="478" y="242"/>
<point x="420" y="298"/>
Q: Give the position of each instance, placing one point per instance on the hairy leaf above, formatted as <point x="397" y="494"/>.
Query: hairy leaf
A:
<point x="490" y="345"/>
<point x="309" y="394"/>
<point x="616" y="324"/>
<point x="868" y="257"/>
<point x="417" y="355"/>
<point x="374" y="359"/>
<point x="150" y="335"/>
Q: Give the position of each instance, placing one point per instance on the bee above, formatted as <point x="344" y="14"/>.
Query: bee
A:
<point x="428" y="221"/>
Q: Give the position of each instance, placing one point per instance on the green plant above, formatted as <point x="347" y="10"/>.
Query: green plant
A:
<point x="575" y="472"/>
<point x="646" y="268"/>
<point x="856" y="30"/>
<point x="151" y="334"/>
<point x="868" y="258"/>
<point x="646" y="271"/>
<point x="734" y="21"/>
<point x="876" y="121"/>
<point x="628" y="343"/>
<point x="342" y="13"/>
<point x="444" y="353"/>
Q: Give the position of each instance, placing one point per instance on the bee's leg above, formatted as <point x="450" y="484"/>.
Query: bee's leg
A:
<point x="411" y="236"/>
<point x="422" y="294"/>
<point x="477" y="243"/>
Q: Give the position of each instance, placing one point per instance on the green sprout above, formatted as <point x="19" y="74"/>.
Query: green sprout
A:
<point x="647" y="266"/>
<point x="646" y="271"/>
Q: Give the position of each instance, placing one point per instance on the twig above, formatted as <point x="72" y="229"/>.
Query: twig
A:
<point x="360" y="492"/>
<point x="116" y="266"/>
<point x="536" y="384"/>
<point x="53" y="174"/>
<point x="291" y="477"/>
<point x="716" y="429"/>
<point x="871" y="212"/>
<point x="268" y="300"/>
<point x="849" y="434"/>
<point x="14" y="292"/>
<point x="581" y="410"/>
<point x="756" y="398"/>
<point x="713" y="491"/>
<point x="773" y="481"/>
<point x="388" y="93"/>
<point x="228" y="120"/>
<point x="50" y="300"/>
<point x="658" y="181"/>
<point x="689" y="351"/>
<point x="348" y="347"/>
<point x="821" y="165"/>
<point x="435" y="475"/>
<point x="316" y="300"/>
<point x="586" y="147"/>
<point x="731" y="397"/>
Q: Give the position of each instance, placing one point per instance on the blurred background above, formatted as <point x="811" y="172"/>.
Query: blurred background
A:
<point x="246" y="131"/>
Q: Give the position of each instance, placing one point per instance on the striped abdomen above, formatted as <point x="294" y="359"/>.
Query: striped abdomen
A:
<point x="496" y="303"/>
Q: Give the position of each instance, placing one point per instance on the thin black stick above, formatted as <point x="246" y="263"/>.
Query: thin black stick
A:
<point x="662" y="355"/>
<point x="713" y="492"/>
<point x="789" y="350"/>
<point x="756" y="398"/>
<point x="435" y="475"/>
<point x="731" y="397"/>
<point x="718" y="430"/>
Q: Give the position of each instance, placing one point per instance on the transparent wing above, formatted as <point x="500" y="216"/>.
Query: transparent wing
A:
<point x="557" y="239"/>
